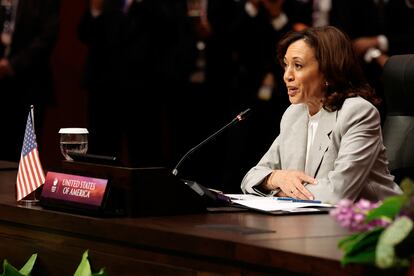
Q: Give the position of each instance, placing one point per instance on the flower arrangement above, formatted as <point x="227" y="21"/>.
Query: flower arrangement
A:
<point x="384" y="231"/>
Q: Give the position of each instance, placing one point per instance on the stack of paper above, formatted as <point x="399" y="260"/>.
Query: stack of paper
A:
<point x="278" y="205"/>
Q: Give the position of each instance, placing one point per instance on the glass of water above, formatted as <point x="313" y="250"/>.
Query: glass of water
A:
<point x="73" y="140"/>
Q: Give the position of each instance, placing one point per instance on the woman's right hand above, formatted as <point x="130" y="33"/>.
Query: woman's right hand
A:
<point x="291" y="183"/>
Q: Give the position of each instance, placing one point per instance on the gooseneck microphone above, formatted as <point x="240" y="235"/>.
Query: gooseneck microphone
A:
<point x="242" y="115"/>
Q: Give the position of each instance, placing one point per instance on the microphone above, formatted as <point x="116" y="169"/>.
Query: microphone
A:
<point x="240" y="117"/>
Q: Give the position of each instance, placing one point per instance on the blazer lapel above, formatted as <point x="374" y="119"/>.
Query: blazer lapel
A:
<point x="321" y="142"/>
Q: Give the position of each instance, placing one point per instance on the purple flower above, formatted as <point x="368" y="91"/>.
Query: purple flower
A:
<point x="352" y="215"/>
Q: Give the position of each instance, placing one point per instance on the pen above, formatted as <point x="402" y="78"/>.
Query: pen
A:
<point x="284" y="198"/>
<point x="297" y="200"/>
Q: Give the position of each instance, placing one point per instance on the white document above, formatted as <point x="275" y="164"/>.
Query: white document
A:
<point x="272" y="204"/>
<point x="243" y="196"/>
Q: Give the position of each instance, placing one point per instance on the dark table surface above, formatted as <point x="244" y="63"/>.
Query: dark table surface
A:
<point x="221" y="242"/>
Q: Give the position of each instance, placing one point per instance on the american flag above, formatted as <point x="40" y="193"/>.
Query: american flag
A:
<point x="30" y="175"/>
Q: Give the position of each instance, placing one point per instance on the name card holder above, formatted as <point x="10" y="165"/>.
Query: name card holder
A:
<point x="76" y="192"/>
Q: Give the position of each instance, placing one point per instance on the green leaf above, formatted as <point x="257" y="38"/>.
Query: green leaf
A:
<point x="84" y="268"/>
<point x="101" y="272"/>
<point x="27" y="268"/>
<point x="362" y="242"/>
<point x="364" y="257"/>
<point x="347" y="241"/>
<point x="407" y="185"/>
<point x="385" y="255"/>
<point x="397" y="231"/>
<point x="9" y="270"/>
<point x="393" y="235"/>
<point x="388" y="209"/>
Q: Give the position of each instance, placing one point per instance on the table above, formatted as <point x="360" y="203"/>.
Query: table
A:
<point x="234" y="243"/>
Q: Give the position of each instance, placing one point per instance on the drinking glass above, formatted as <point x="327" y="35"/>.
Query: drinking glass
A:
<point x="73" y="140"/>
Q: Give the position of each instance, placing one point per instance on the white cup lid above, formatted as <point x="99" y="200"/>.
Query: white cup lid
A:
<point x="73" y="130"/>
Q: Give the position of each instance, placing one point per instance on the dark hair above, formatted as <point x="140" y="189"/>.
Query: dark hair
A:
<point x="337" y="62"/>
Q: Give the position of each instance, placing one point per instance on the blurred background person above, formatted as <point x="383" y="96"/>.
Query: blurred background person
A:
<point x="29" y="30"/>
<point x="391" y="32"/>
<point x="258" y="85"/>
<point x="377" y="28"/>
<point x="101" y="29"/>
<point x="157" y="60"/>
<point x="350" y="16"/>
<point x="204" y="105"/>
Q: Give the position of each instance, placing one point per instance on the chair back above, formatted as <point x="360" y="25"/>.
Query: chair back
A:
<point x="398" y="76"/>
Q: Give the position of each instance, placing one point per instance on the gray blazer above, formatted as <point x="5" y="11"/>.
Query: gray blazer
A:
<point x="347" y="156"/>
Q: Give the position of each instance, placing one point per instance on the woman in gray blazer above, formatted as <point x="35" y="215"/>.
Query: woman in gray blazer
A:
<point x="330" y="143"/>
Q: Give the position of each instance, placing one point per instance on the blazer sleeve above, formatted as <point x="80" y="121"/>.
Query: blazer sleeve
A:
<point x="255" y="176"/>
<point x="272" y="159"/>
<point x="360" y="142"/>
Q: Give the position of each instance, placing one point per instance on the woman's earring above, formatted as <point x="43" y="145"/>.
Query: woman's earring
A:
<point x="326" y="84"/>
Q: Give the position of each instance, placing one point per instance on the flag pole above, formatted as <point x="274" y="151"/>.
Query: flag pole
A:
<point x="32" y="117"/>
<point x="33" y="198"/>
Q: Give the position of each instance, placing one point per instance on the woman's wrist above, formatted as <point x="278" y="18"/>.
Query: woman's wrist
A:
<point x="268" y="183"/>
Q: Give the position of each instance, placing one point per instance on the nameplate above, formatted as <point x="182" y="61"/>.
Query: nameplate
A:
<point x="74" y="190"/>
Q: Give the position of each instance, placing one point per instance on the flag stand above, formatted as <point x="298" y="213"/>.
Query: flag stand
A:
<point x="29" y="200"/>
